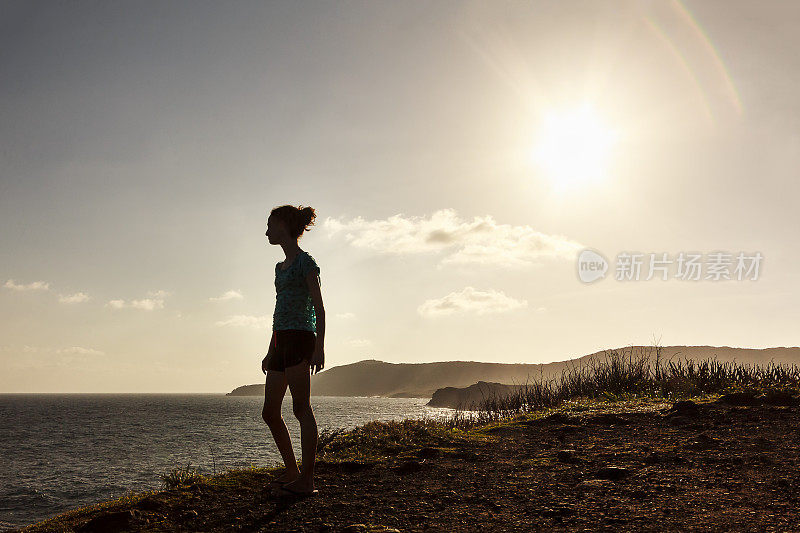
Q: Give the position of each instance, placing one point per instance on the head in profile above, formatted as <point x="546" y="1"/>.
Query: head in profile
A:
<point x="287" y="223"/>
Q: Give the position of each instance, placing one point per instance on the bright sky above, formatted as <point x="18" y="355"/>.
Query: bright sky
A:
<point x="459" y="155"/>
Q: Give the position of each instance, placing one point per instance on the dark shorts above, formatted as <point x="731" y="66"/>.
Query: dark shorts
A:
<point x="289" y="347"/>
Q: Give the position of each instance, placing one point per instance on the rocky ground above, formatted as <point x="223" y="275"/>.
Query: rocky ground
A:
<point x="728" y="464"/>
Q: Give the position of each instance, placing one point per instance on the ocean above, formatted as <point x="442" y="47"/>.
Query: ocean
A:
<point x="61" y="451"/>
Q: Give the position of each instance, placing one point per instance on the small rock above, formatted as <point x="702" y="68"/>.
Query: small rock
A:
<point x="741" y="398"/>
<point x="780" y="398"/>
<point x="109" y="522"/>
<point x="428" y="452"/>
<point x="678" y="420"/>
<point x="702" y="441"/>
<point x="612" y="473"/>
<point x="467" y="455"/>
<point x="480" y="499"/>
<point x="594" y="483"/>
<point x="765" y="459"/>
<point x="653" y="459"/>
<point x="557" y="418"/>
<point x="407" y="467"/>
<point x="684" y="408"/>
<point x="567" y="456"/>
<point x="149" y="504"/>
<point x="557" y="510"/>
<point x="355" y="528"/>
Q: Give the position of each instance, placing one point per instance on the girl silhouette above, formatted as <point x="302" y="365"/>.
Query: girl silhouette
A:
<point x="296" y="346"/>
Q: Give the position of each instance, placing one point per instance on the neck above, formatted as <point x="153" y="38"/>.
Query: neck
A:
<point x="290" y="250"/>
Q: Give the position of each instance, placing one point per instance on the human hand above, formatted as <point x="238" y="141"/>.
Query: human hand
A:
<point x="317" y="359"/>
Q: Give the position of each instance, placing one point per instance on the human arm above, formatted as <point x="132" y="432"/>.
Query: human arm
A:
<point x="314" y="290"/>
<point x="318" y="359"/>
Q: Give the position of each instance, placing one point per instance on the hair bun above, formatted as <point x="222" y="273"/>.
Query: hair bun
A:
<point x="307" y="216"/>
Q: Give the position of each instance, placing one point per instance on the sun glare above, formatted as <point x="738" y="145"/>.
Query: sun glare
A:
<point x="573" y="148"/>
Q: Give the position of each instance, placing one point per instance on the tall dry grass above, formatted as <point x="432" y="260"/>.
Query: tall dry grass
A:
<point x="639" y="373"/>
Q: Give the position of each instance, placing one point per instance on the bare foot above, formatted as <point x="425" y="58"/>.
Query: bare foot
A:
<point x="286" y="477"/>
<point x="298" y="486"/>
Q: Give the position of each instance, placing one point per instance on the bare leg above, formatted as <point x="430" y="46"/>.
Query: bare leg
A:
<point x="273" y="398"/>
<point x="299" y="379"/>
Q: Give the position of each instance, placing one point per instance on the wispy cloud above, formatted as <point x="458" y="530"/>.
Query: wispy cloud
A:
<point x="229" y="295"/>
<point x="470" y="300"/>
<point x="79" y="350"/>
<point x="246" y="321"/>
<point x="78" y="297"/>
<point x="479" y="241"/>
<point x="360" y="343"/>
<point x="345" y="316"/>
<point x="72" y="350"/>
<point x="42" y="357"/>
<point x="154" y="300"/>
<point x="34" y="286"/>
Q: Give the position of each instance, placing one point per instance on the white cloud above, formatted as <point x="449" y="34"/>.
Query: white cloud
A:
<point x="345" y="316"/>
<point x="470" y="300"/>
<point x="360" y="343"/>
<point x="481" y="240"/>
<point x="255" y="322"/>
<point x="229" y="295"/>
<point x="41" y="357"/>
<point x="155" y="300"/>
<point x="70" y="350"/>
<point x="35" y="286"/>
<point x="79" y="350"/>
<point x="148" y="304"/>
<point x="78" y="297"/>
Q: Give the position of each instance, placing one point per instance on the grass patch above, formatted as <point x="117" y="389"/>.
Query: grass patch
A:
<point x="182" y="477"/>
<point x="636" y="376"/>
<point x="377" y="440"/>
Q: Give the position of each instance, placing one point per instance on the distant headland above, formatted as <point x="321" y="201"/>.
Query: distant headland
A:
<point x="439" y="381"/>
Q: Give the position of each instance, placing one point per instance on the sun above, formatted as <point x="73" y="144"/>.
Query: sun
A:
<point x="573" y="147"/>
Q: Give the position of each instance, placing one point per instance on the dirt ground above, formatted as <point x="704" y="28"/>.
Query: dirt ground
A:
<point x="705" y="466"/>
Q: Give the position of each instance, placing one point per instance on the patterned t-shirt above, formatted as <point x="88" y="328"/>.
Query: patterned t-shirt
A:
<point x="294" y="308"/>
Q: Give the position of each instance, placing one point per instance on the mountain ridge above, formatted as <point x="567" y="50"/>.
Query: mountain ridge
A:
<point x="372" y="377"/>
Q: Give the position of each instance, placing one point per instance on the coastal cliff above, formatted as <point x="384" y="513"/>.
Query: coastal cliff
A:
<point x="472" y="396"/>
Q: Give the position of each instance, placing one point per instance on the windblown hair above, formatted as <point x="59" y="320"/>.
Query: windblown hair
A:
<point x="297" y="219"/>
